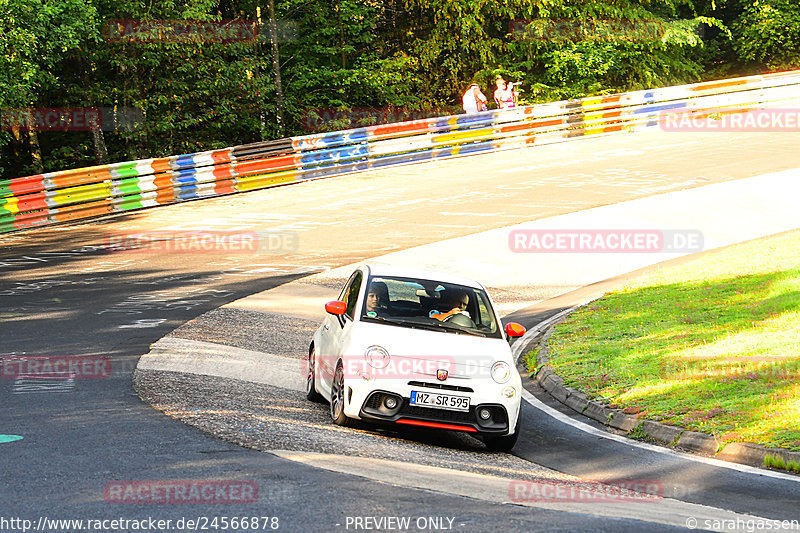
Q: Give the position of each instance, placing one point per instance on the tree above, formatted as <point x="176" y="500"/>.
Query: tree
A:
<point x="768" y="34"/>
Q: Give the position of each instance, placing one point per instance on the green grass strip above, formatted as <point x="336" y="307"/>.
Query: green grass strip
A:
<point x="712" y="345"/>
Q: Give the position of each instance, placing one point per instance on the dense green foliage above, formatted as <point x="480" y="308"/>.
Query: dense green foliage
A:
<point x="376" y="60"/>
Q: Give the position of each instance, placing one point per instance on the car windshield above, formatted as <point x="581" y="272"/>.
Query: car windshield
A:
<point x="429" y="304"/>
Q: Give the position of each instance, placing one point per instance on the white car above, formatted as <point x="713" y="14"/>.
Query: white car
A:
<point x="417" y="348"/>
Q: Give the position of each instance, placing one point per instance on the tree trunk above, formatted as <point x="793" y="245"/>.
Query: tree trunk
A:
<point x="100" y="152"/>
<point x="276" y="67"/>
<point x="36" y="151"/>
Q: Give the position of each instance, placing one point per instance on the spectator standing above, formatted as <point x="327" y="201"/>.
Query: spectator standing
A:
<point x="505" y="97"/>
<point x="473" y="100"/>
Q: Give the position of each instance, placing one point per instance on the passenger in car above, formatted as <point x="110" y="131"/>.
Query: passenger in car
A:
<point x="458" y="301"/>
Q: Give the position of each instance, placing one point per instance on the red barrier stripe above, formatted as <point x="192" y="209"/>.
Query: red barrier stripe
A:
<point x="226" y="186"/>
<point x="27" y="220"/>
<point x="256" y="166"/>
<point x="223" y="171"/>
<point x="436" y="425"/>
<point x="31" y="202"/>
<point x="26" y="185"/>
<point x="401" y="127"/>
<point x="221" y="156"/>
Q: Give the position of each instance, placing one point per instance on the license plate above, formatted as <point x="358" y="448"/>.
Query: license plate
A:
<point x="439" y="401"/>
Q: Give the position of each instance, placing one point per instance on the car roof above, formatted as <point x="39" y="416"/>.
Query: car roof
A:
<point x="385" y="269"/>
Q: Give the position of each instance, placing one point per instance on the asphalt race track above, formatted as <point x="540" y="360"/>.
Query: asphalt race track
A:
<point x="64" y="294"/>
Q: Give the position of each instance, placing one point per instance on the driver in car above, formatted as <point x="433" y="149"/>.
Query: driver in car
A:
<point x="377" y="299"/>
<point x="459" y="300"/>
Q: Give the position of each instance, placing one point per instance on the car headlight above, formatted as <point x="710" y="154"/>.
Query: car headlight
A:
<point x="501" y="372"/>
<point x="377" y="357"/>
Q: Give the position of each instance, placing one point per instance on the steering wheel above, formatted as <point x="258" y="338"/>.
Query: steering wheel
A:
<point x="460" y="319"/>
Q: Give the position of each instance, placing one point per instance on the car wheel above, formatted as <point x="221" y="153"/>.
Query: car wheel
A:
<point x="311" y="390"/>
<point x="337" y="399"/>
<point x="502" y="444"/>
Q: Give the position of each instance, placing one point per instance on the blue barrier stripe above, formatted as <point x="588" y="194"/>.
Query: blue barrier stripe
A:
<point x="333" y="170"/>
<point x="333" y="139"/>
<point x="188" y="195"/>
<point x="388" y="160"/>
<point x="459" y="121"/>
<point x="665" y="107"/>
<point x="185" y="176"/>
<point x="476" y="147"/>
<point x="184" y="161"/>
<point x="335" y="154"/>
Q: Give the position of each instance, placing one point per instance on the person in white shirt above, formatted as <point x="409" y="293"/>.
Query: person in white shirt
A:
<point x="473" y="100"/>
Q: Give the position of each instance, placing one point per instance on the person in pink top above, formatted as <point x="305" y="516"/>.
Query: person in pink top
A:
<point x="505" y="97"/>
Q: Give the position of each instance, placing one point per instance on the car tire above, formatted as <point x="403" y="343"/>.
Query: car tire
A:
<point x="337" y="399"/>
<point x="311" y="389"/>
<point x="502" y="444"/>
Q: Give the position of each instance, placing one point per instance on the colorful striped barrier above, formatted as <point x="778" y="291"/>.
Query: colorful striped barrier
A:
<point x="54" y="197"/>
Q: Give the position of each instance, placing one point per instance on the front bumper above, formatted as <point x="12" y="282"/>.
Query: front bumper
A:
<point x="365" y="400"/>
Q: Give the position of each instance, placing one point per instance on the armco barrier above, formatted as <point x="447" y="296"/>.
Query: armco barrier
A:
<point x="88" y="192"/>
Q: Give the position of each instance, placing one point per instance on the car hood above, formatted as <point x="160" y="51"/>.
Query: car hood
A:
<point x="429" y="351"/>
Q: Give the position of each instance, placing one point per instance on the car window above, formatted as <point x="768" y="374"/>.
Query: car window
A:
<point x="352" y="294"/>
<point x="484" y="317"/>
<point x="408" y="302"/>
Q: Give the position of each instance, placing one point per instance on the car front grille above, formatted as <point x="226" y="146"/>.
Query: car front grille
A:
<point x="441" y="386"/>
<point x="437" y="414"/>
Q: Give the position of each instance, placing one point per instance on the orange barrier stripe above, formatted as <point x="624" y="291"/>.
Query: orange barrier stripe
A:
<point x="77" y="211"/>
<point x="81" y="177"/>
<point x="165" y="193"/>
<point x="160" y="165"/>
<point x="717" y="85"/>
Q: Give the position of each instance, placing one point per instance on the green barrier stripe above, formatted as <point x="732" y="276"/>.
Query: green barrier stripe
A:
<point x="129" y="186"/>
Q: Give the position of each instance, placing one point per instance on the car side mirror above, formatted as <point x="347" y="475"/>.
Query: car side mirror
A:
<point x="335" y="307"/>
<point x="515" y="330"/>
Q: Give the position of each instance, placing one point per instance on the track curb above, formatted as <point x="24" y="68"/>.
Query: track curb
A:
<point x="671" y="436"/>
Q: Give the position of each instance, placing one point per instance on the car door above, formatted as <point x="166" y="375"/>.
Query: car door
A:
<point x="336" y="328"/>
